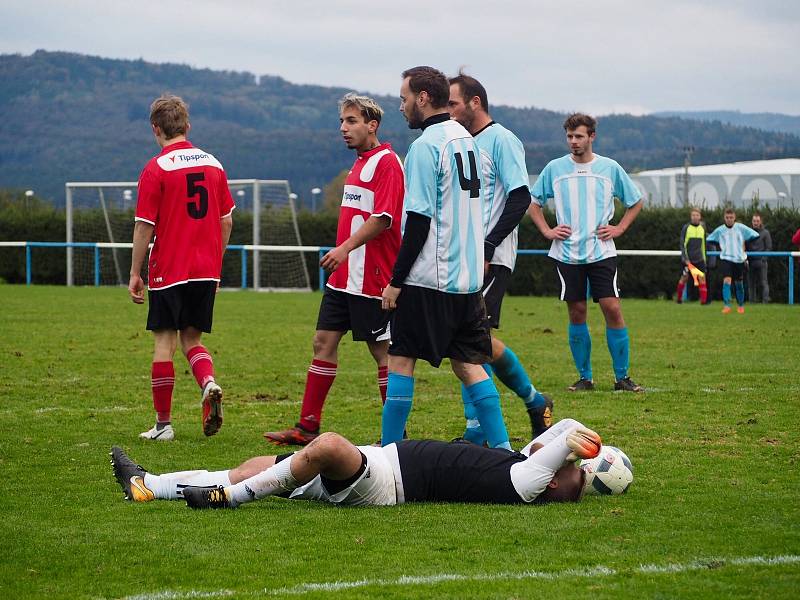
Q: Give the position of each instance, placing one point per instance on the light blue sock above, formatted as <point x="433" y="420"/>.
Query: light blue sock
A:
<point x="580" y="342"/>
<point x="399" y="394"/>
<point x="473" y="431"/>
<point x="486" y="401"/>
<point x="740" y="293"/>
<point x="726" y="294"/>
<point x="618" y="346"/>
<point x="511" y="372"/>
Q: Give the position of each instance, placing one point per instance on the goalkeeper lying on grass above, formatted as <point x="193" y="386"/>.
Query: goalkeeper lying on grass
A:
<point x="331" y="469"/>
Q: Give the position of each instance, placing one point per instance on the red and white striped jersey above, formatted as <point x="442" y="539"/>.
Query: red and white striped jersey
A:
<point x="374" y="186"/>
<point x="183" y="193"/>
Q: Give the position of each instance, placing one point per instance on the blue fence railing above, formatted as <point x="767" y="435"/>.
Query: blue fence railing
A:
<point x="321" y="250"/>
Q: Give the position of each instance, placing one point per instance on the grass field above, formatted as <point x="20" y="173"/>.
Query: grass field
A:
<point x="713" y="512"/>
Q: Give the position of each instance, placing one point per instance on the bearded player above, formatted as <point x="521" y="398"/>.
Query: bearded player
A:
<point x="507" y="198"/>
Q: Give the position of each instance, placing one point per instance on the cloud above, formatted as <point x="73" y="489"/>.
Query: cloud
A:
<point x="648" y="55"/>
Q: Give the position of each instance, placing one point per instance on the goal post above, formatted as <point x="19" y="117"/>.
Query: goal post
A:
<point x="103" y="211"/>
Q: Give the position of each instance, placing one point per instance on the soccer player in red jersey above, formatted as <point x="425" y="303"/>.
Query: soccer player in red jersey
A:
<point x="184" y="200"/>
<point x="367" y="242"/>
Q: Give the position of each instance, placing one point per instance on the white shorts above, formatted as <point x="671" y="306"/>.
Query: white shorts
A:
<point x="375" y="487"/>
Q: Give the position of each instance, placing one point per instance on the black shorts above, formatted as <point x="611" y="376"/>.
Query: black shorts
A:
<point x="340" y="311"/>
<point x="699" y="264"/>
<point x="495" y="284"/>
<point x="731" y="269"/>
<point x="431" y="325"/>
<point x="185" y="305"/>
<point x="601" y="275"/>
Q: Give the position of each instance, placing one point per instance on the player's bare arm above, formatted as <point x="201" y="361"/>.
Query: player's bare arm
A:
<point x="371" y="229"/>
<point x="559" y="232"/>
<point x="609" y="232"/>
<point x="142" y="234"/>
<point x="226" y="225"/>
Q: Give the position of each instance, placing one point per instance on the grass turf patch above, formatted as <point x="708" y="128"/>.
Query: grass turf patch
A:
<point x="714" y="444"/>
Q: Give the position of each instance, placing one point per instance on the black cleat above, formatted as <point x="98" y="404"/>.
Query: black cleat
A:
<point x="628" y="385"/>
<point x="130" y="476"/>
<point x="541" y="417"/>
<point x="582" y="385"/>
<point x="206" y="497"/>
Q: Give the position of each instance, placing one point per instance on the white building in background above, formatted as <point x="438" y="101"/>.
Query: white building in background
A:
<point x="773" y="182"/>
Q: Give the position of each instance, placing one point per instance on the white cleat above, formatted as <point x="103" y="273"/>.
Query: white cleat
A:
<point x="166" y="434"/>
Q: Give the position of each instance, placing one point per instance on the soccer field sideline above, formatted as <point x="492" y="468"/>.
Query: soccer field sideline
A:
<point x="712" y="511"/>
<point x="598" y="571"/>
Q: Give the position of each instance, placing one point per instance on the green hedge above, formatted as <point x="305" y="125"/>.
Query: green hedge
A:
<point x="642" y="277"/>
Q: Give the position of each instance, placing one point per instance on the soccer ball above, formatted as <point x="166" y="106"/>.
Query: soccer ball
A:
<point x="610" y="472"/>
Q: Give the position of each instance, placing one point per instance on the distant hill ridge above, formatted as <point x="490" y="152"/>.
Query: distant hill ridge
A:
<point x="81" y="118"/>
<point x="765" y="120"/>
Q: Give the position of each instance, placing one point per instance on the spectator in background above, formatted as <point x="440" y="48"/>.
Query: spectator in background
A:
<point x="757" y="265"/>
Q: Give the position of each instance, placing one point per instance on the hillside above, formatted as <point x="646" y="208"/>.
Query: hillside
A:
<point x="766" y="121"/>
<point x="80" y="118"/>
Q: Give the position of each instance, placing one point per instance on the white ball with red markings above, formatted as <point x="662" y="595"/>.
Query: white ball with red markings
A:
<point x="609" y="473"/>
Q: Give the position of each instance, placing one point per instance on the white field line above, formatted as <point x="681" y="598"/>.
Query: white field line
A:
<point x="83" y="409"/>
<point x="426" y="580"/>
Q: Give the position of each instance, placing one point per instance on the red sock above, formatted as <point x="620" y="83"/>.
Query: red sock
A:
<point x="163" y="380"/>
<point x="202" y="365"/>
<point x="383" y="380"/>
<point x="679" y="292"/>
<point x="318" y="381"/>
<point x="703" y="293"/>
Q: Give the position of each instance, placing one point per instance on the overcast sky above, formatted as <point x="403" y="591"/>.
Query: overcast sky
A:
<point x="598" y="56"/>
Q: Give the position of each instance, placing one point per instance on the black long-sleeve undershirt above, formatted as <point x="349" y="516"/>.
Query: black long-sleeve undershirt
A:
<point x="517" y="204"/>
<point x="414" y="236"/>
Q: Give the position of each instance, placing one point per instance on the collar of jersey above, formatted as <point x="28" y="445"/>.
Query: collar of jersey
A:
<point x="176" y="146"/>
<point x="433" y="120"/>
<point x="375" y="150"/>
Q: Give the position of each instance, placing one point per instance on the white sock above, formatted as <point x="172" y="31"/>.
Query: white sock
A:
<point x="169" y="486"/>
<point x="278" y="478"/>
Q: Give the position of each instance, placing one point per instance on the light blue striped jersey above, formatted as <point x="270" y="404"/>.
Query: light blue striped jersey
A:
<point x="731" y="241"/>
<point x="584" y="199"/>
<point x="504" y="170"/>
<point x="444" y="182"/>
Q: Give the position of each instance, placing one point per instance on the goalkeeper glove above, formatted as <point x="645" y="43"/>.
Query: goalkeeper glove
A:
<point x="583" y="443"/>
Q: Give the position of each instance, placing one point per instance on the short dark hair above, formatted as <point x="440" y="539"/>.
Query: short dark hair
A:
<point x="471" y="87"/>
<point x="729" y="211"/>
<point x="432" y="81"/>
<point x="575" y="120"/>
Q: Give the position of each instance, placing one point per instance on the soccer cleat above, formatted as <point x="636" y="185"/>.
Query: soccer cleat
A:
<point x="212" y="408"/>
<point x="626" y="384"/>
<point x="296" y="436"/>
<point x="130" y="476"/>
<point x="206" y="497"/>
<point x="165" y="434"/>
<point x="541" y="417"/>
<point x="740" y="310"/>
<point x="726" y="310"/>
<point x="582" y="385"/>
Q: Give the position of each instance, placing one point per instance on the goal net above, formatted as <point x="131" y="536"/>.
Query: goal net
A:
<point x="103" y="212"/>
